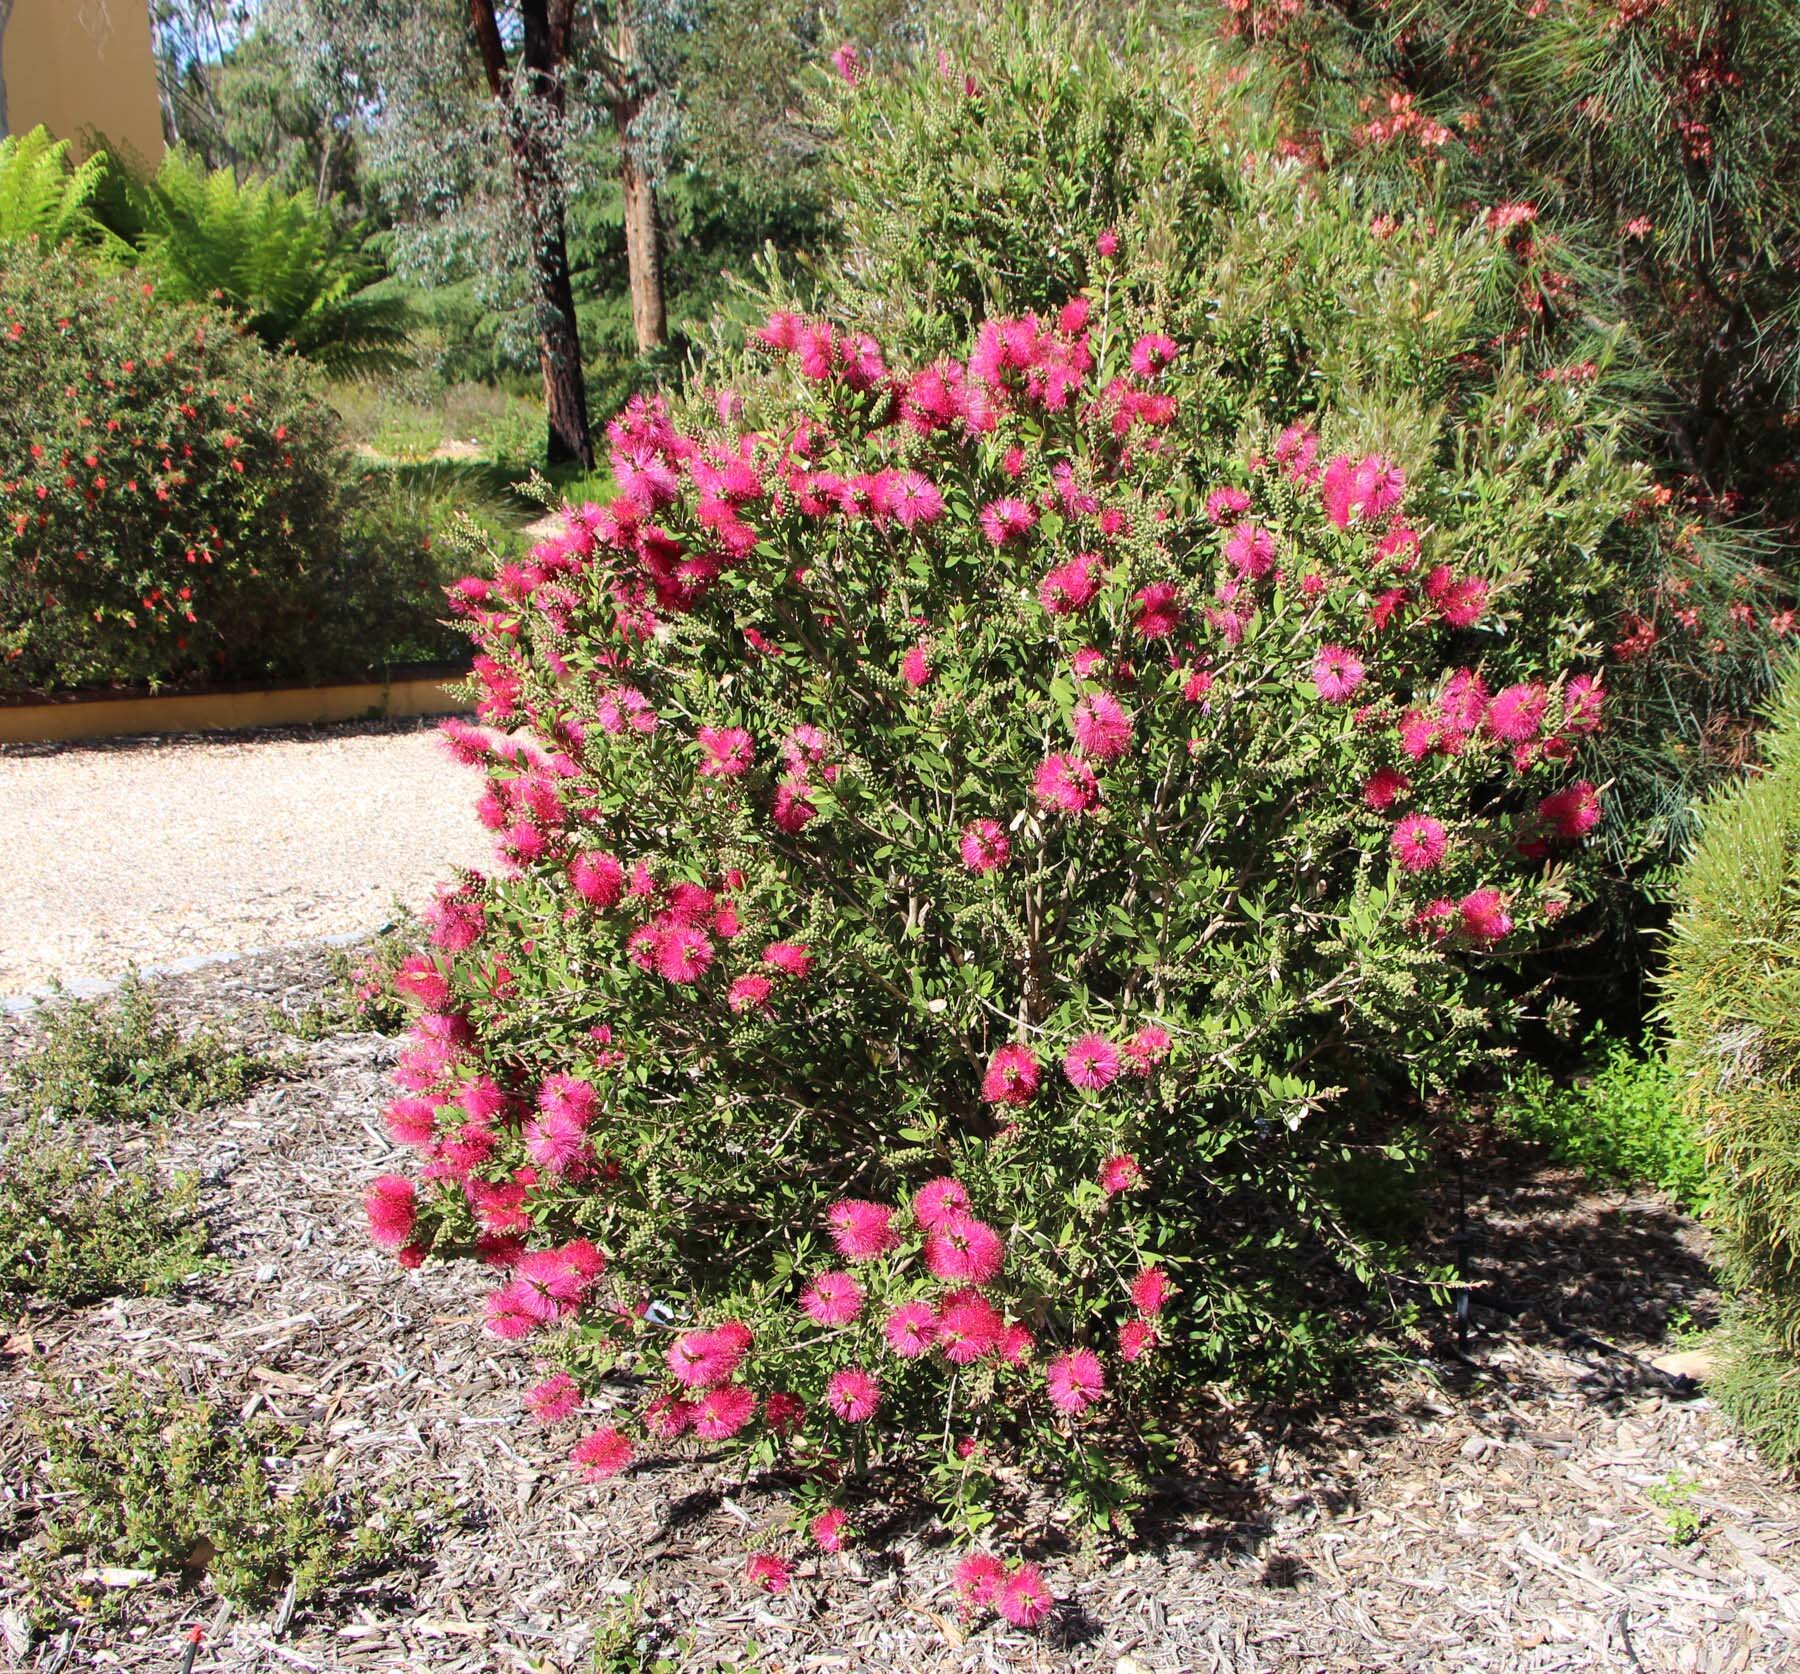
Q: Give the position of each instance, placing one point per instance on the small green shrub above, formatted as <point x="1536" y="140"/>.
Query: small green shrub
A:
<point x="146" y="1477"/>
<point x="359" y="992"/>
<point x="176" y="503"/>
<point x="117" y="1059"/>
<point x="1618" y="1120"/>
<point x="73" y="1230"/>
<point x="1731" y="1001"/>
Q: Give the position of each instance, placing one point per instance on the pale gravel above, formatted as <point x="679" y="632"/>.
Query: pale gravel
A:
<point x="151" y="851"/>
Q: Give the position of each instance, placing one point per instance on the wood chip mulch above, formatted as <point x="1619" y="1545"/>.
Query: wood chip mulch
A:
<point x="1487" y="1510"/>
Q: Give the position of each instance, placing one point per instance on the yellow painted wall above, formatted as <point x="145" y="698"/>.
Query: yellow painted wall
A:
<point x="75" y="64"/>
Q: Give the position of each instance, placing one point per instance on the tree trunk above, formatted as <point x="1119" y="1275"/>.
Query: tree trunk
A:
<point x="643" y="255"/>
<point x="533" y="136"/>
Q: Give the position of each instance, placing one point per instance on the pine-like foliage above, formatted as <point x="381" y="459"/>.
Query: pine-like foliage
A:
<point x="44" y="195"/>
<point x="1732" y="1001"/>
<point x="280" y="261"/>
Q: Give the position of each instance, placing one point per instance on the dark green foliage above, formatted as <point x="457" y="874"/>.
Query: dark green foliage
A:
<point x="118" y="1059"/>
<point x="1618" y="1119"/>
<point x="73" y="1228"/>
<point x="146" y="1477"/>
<point x="280" y="261"/>
<point x="178" y="503"/>
<point x="1731" y="999"/>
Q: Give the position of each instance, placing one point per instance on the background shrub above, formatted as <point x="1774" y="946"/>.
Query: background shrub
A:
<point x="177" y="501"/>
<point x="1617" y="1118"/>
<point x="1732" y="1003"/>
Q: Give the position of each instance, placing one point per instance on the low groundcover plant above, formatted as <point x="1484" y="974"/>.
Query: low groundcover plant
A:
<point x="972" y="842"/>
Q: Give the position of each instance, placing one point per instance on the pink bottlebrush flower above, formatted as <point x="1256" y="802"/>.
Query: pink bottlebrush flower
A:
<point x="605" y="1453"/>
<point x="978" y="1579"/>
<point x="1072" y="587"/>
<point x="1462" y="603"/>
<point x="968" y="1327"/>
<point x="985" y="846"/>
<point x="1068" y="783"/>
<point x="1087" y="663"/>
<point x="553" y="1400"/>
<point x="749" y="993"/>
<point x="1517" y="713"/>
<point x="792" y="957"/>
<point x="412" y="1122"/>
<point x="1484" y="915"/>
<point x="1014" y="1345"/>
<point x="832" y="1299"/>
<point x="683" y="953"/>
<point x="419" y="979"/>
<point x="1023" y="1599"/>
<point x="1136" y="1339"/>
<point x="937" y="1201"/>
<point x="1006" y="519"/>
<point x="568" y="1099"/>
<point x="1091" y="1063"/>
<point x="1101" y="726"/>
<point x="790" y="808"/>
<point x="862" y="1231"/>
<point x="1337" y="672"/>
<point x="1151" y="353"/>
<point x="915" y="667"/>
<point x="853" y="1395"/>
<point x="723" y="1412"/>
<point x="1384" y="787"/>
<point x="668" y="1417"/>
<point x="1296" y="448"/>
<point x="830" y="1529"/>
<point x="727" y="752"/>
<point x="1157" y="611"/>
<point x="1120" y="1173"/>
<point x="1419" y="843"/>
<point x="1226" y="505"/>
<point x="392" y="1206"/>
<point x="916" y="500"/>
<point x="1107" y="244"/>
<point x="783" y="1412"/>
<point x="1075" y="1380"/>
<point x="1150" y="1291"/>
<point x="848" y="64"/>
<point x="1583" y="700"/>
<point x="555" y="1144"/>
<point x="768" y="1570"/>
<point x="963" y="1250"/>
<point x="1574" y="811"/>
<point x="599" y="879"/>
<point x="699" y="1358"/>
<point x="1147" y="1048"/>
<point x="518" y="1309"/>
<point x="1012" y="1076"/>
<point x="1250" y="550"/>
<point x="911" y="1329"/>
<point x="456" y="921"/>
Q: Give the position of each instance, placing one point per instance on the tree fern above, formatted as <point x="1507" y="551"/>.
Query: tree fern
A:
<point x="280" y="261"/>
<point x="44" y="195"/>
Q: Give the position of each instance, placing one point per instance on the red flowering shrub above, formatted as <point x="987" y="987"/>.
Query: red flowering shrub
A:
<point x="974" y="839"/>
<point x="175" y="502"/>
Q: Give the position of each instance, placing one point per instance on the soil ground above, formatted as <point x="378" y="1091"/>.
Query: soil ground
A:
<point x="1495" y="1509"/>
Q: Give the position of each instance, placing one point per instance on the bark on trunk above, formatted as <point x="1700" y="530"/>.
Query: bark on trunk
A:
<point x="643" y="255"/>
<point x="532" y="136"/>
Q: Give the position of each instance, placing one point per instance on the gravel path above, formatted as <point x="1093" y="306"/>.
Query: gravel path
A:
<point x="155" y="850"/>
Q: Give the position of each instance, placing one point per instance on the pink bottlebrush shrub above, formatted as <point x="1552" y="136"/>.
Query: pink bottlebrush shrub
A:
<point x="971" y="842"/>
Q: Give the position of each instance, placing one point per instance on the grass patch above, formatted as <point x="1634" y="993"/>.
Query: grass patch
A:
<point x="1618" y="1120"/>
<point x="117" y="1059"/>
<point x="74" y="1229"/>
<point x="142" y="1476"/>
